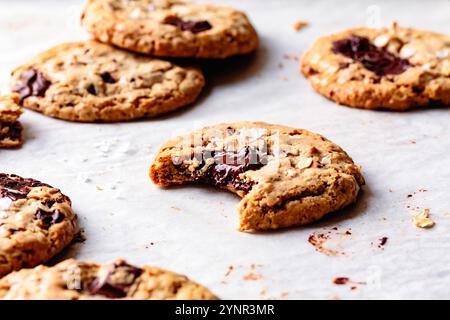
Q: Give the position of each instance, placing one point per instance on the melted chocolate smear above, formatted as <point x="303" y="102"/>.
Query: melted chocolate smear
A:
<point x="192" y="26"/>
<point x="49" y="218"/>
<point x="14" y="130"/>
<point x="379" y="61"/>
<point x="15" y="187"/>
<point x="228" y="166"/>
<point x="31" y="83"/>
<point x="341" y="280"/>
<point x="113" y="290"/>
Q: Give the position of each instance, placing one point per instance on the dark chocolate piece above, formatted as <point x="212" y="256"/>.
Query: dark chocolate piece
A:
<point x="379" y="61"/>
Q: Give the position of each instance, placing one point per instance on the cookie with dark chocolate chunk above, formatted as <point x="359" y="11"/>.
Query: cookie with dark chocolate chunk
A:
<point x="10" y="128"/>
<point x="72" y="280"/>
<point x="171" y="28"/>
<point x="91" y="81"/>
<point x="389" y="68"/>
<point x="36" y="222"/>
<point x="285" y="176"/>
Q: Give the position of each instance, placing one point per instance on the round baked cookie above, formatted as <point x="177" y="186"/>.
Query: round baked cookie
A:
<point x="72" y="280"/>
<point x="392" y="68"/>
<point x="285" y="176"/>
<point x="90" y="81"/>
<point x="170" y="27"/>
<point x="36" y="222"/>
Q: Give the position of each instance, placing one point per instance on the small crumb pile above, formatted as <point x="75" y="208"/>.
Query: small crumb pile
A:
<point x="299" y="25"/>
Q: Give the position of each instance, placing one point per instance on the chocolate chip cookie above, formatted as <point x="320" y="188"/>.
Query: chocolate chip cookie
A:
<point x="36" y="222"/>
<point x="170" y="28"/>
<point x="10" y="127"/>
<point x="90" y="81"/>
<point x="393" y="68"/>
<point x="72" y="280"/>
<point x="285" y="176"/>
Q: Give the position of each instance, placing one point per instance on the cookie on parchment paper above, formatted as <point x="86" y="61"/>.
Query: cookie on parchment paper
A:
<point x="72" y="280"/>
<point x="285" y="176"/>
<point x="171" y="28"/>
<point x="391" y="68"/>
<point x="90" y="81"/>
<point x="36" y="222"/>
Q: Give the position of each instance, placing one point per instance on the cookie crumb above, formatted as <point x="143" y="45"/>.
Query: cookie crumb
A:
<point x="230" y="269"/>
<point x="299" y="25"/>
<point x="252" y="276"/>
<point x="291" y="57"/>
<point x="422" y="220"/>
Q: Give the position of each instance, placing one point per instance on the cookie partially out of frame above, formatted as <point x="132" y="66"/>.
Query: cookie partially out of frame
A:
<point x="285" y="176"/>
<point x="10" y="128"/>
<point x="72" y="280"/>
<point x="170" y="27"/>
<point x="36" y="222"/>
<point x="90" y="81"/>
<point x="392" y="68"/>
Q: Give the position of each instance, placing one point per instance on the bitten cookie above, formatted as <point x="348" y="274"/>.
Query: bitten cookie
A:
<point x="170" y="28"/>
<point x="395" y="68"/>
<point x="36" y="222"/>
<point x="72" y="280"/>
<point x="90" y="81"/>
<point x="10" y="127"/>
<point x="285" y="176"/>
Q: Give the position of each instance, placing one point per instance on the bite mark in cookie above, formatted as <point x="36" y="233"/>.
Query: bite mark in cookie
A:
<point x="285" y="176"/>
<point x="36" y="222"/>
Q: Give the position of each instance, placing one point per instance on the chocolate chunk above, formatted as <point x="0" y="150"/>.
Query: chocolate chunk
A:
<point x="382" y="241"/>
<point x="91" y="89"/>
<point x="13" y="132"/>
<point x="115" y="287"/>
<point x="379" y="61"/>
<point x="49" y="218"/>
<point x="31" y="83"/>
<point x="107" y="77"/>
<point x="188" y="25"/>
<point x="228" y="166"/>
<point x="15" y="187"/>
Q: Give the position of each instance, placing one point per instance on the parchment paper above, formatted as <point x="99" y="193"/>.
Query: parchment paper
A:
<point x="192" y="230"/>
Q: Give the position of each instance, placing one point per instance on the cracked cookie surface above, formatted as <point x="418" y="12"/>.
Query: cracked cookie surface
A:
<point x="36" y="222"/>
<point x="285" y="176"/>
<point x="90" y="81"/>
<point x="171" y="28"/>
<point x="72" y="280"/>
<point x="10" y="128"/>
<point x="391" y="68"/>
